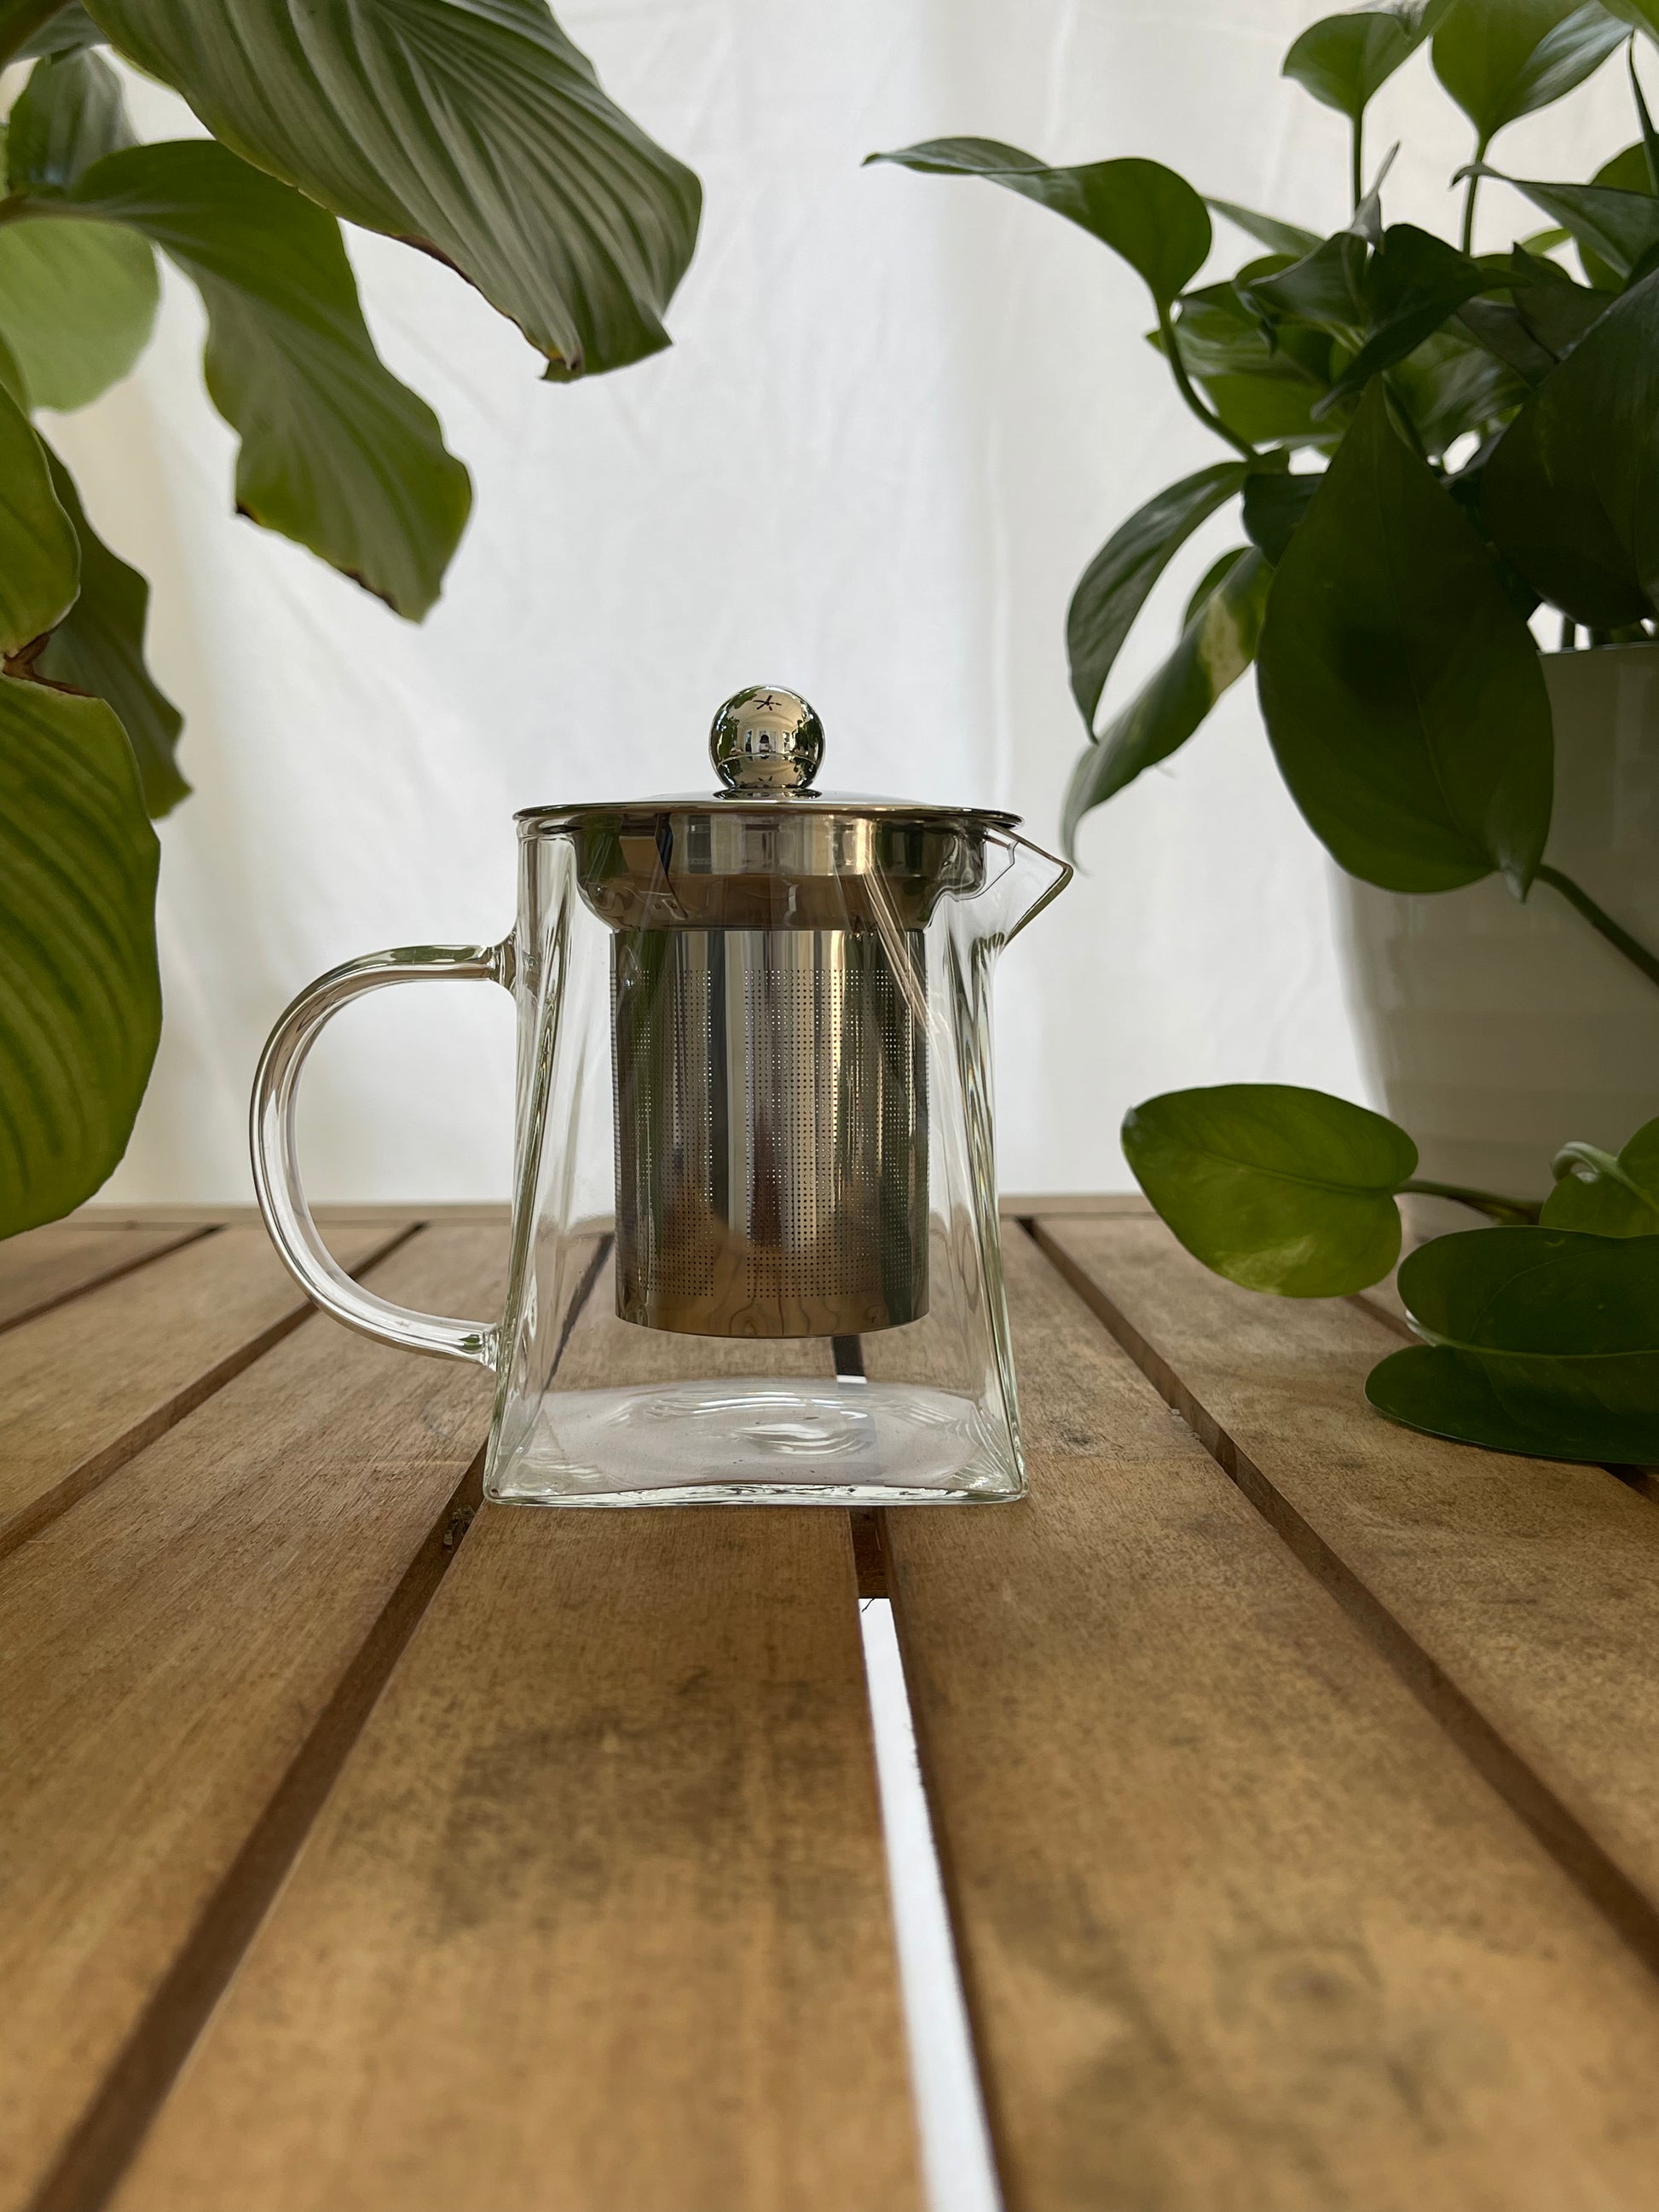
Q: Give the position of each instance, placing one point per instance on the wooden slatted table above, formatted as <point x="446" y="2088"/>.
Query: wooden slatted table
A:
<point x="1295" y="1780"/>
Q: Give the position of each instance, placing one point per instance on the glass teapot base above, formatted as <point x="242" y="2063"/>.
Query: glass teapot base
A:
<point x="757" y="1441"/>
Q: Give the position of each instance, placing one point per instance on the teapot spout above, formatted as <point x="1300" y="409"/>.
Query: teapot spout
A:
<point x="1032" y="870"/>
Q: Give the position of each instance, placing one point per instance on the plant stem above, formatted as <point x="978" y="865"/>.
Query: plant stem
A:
<point x="1469" y="196"/>
<point x="1356" y="162"/>
<point x="1513" y="1212"/>
<point x="1184" y="386"/>
<point x="1620" y="939"/>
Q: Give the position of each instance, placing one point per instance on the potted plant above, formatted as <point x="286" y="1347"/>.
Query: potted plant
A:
<point x="1433" y="450"/>
<point x="477" y="133"/>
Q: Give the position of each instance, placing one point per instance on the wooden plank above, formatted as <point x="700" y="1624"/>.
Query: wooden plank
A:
<point x="597" y="1917"/>
<point x="44" y="1266"/>
<point x="167" y="1651"/>
<point x="85" y="1386"/>
<point x="1240" y="1928"/>
<point x="1520" y="1596"/>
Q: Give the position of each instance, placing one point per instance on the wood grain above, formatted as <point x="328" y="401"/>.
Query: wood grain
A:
<point x="44" y="1266"/>
<point x="595" y="1920"/>
<point x="1241" y="1931"/>
<point x="88" y="1384"/>
<point x="166" y="1649"/>
<point x="1521" y="1596"/>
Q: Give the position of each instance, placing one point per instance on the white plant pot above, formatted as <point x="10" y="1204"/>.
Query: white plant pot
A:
<point x="1494" y="1031"/>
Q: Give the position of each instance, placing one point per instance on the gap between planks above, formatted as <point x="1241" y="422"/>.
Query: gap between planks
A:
<point x="1620" y="1901"/>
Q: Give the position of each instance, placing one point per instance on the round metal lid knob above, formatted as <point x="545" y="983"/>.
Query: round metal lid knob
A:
<point x="765" y="739"/>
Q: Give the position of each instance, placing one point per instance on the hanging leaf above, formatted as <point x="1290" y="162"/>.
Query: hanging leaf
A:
<point x="1264" y="386"/>
<point x="39" y="559"/>
<point x="472" y="128"/>
<point x="1568" y="494"/>
<point x="1275" y="504"/>
<point x="1618" y="227"/>
<point x="1543" y="318"/>
<point x="1324" y="288"/>
<point x="1276" y="1188"/>
<point x="1218" y="569"/>
<point x="1412" y="284"/>
<point x="1627" y="171"/>
<point x="1451" y="387"/>
<point x="1403" y="692"/>
<point x="69" y="115"/>
<point x="1543" y="1342"/>
<point x="1214" y="649"/>
<point x="1286" y="237"/>
<point x="99" y="647"/>
<point x="336" y="453"/>
<point x="1142" y="210"/>
<point x="80" y="1001"/>
<point x="1607" y="1196"/>
<point x="1501" y="59"/>
<point x="1114" y="585"/>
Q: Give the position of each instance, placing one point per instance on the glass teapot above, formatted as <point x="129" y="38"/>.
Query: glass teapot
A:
<point x="754" y="1117"/>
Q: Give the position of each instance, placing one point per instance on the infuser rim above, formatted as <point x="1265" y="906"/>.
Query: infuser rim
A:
<point x="532" y="819"/>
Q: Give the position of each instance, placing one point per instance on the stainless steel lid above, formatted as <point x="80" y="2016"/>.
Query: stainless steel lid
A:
<point x="770" y="850"/>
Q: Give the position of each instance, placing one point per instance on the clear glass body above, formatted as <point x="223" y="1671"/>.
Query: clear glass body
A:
<point x="754" y="1250"/>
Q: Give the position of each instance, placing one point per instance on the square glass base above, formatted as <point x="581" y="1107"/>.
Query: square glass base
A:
<point x="757" y="1441"/>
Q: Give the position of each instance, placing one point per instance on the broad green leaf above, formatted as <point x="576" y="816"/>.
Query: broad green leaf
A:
<point x="1324" y="288"/>
<point x="1142" y="210"/>
<point x="1114" y="585"/>
<point x="1274" y="1187"/>
<point x="1542" y="319"/>
<point x="1569" y="492"/>
<point x="1627" y="171"/>
<point x="77" y="306"/>
<point x="1275" y="504"/>
<point x="1449" y="387"/>
<point x="66" y="31"/>
<point x="1642" y="14"/>
<point x="1618" y="227"/>
<point x="1343" y="60"/>
<point x="21" y="22"/>
<point x="1412" y="284"/>
<point x="80" y="1001"/>
<point x="472" y="128"/>
<point x="1215" y="574"/>
<point x="1267" y="409"/>
<point x="99" y="647"/>
<point x="1607" y="1196"/>
<point x="1403" y="692"/>
<point x="1286" y="237"/>
<point x="336" y="453"/>
<point x="69" y="115"/>
<point x="40" y="558"/>
<point x="1263" y="388"/>
<point x="1561" y="1328"/>
<point x="1213" y="651"/>
<point x="1591" y="1410"/>
<point x="1501" y="59"/>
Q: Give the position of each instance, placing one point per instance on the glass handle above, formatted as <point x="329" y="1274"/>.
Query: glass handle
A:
<point x="1063" y="873"/>
<point x="276" y="1156"/>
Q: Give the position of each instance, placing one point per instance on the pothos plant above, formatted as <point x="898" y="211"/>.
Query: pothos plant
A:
<point x="472" y="129"/>
<point x="1428" y="448"/>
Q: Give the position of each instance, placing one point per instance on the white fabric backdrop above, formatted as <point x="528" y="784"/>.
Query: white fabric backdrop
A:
<point x="900" y="414"/>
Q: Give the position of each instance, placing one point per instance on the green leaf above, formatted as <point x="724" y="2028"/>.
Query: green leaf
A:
<point x="1274" y="1187"/>
<point x="80" y="1001"/>
<point x="1618" y="227"/>
<point x="1501" y="59"/>
<point x="1325" y="288"/>
<point x="99" y="647"/>
<point x="336" y="453"/>
<point x="1264" y="385"/>
<point x="1544" y="318"/>
<point x="1142" y="210"/>
<point x="1403" y="692"/>
<point x="1553" y="1338"/>
<point x="1343" y="60"/>
<point x="69" y="115"/>
<point x="77" y="307"/>
<point x="1627" y="171"/>
<point x="1287" y="237"/>
<point x="1114" y="585"/>
<point x="20" y="24"/>
<point x="1214" y="649"/>
<point x="67" y="31"/>
<point x="473" y="129"/>
<point x="40" y="558"/>
<point x="1275" y="503"/>
<point x="1412" y="284"/>
<point x="1218" y="570"/>
<point x="1449" y="387"/>
<point x="1604" y="1196"/>
<point x="1643" y="14"/>
<point x="1569" y="492"/>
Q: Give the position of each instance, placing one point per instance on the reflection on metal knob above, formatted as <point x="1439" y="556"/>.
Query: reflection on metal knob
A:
<point x="767" y="739"/>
